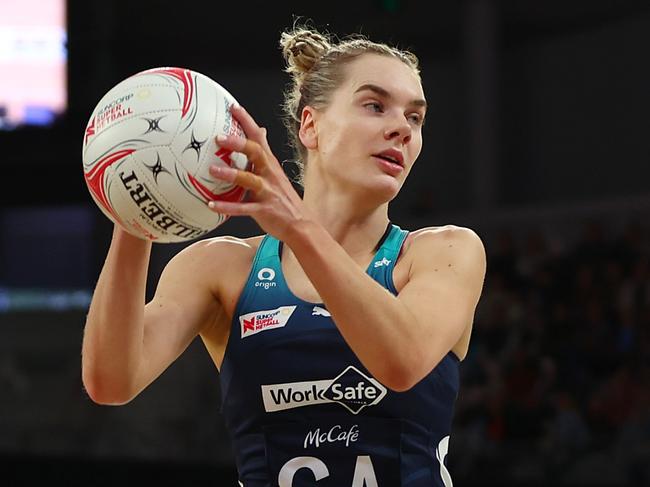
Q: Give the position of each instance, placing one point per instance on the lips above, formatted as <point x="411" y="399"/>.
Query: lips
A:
<point x="392" y="155"/>
<point x="389" y="166"/>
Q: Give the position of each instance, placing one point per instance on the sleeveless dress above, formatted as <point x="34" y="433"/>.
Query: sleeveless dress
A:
<point x="300" y="408"/>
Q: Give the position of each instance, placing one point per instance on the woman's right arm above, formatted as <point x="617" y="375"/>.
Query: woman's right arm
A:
<point x="128" y="343"/>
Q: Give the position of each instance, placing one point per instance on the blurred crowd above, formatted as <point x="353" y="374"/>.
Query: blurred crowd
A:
<point x="556" y="388"/>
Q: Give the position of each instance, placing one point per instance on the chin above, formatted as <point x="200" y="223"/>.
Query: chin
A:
<point x="384" y="188"/>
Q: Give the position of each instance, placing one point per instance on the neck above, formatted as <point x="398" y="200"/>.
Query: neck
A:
<point x="356" y="226"/>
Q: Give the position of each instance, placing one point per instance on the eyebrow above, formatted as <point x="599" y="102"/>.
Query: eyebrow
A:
<point x="418" y="102"/>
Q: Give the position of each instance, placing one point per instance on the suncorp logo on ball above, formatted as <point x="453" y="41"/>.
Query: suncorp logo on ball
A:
<point x="352" y="389"/>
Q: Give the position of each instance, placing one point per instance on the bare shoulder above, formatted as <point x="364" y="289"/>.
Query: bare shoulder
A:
<point x="214" y="258"/>
<point x="209" y="249"/>
<point x="215" y="267"/>
<point x="446" y="235"/>
<point x="451" y="245"/>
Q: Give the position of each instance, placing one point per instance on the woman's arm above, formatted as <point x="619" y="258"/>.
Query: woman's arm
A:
<point x="127" y="344"/>
<point x="399" y="338"/>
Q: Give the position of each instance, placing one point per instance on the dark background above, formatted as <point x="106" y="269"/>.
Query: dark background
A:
<point x="536" y="137"/>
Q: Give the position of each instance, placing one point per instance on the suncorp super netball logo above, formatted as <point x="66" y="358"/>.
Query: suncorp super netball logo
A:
<point x="352" y="389"/>
<point x="258" y="321"/>
<point x="113" y="110"/>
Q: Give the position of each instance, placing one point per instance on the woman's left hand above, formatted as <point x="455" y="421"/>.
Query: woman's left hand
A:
<point x="272" y="202"/>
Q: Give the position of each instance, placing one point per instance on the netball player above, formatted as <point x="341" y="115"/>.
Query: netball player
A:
<point x="338" y="335"/>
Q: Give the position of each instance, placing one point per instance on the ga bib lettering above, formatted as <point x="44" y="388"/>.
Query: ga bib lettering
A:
<point x="357" y="452"/>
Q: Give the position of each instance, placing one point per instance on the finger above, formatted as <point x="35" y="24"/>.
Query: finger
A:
<point x="256" y="154"/>
<point x="248" y="124"/>
<point x="232" y="208"/>
<point x="245" y="179"/>
<point x="251" y="149"/>
<point x="250" y="181"/>
<point x="265" y="140"/>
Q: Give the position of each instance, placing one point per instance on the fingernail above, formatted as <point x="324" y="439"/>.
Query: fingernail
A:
<point x="221" y="138"/>
<point x="223" y="171"/>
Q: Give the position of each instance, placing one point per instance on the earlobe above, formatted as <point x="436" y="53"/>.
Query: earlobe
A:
<point x="308" y="133"/>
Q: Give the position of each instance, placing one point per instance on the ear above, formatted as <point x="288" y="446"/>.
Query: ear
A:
<point x="308" y="132"/>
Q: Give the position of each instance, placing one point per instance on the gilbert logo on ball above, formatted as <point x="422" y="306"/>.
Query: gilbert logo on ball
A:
<point x="147" y="148"/>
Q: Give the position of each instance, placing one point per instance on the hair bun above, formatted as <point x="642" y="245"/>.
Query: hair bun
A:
<point x="302" y="49"/>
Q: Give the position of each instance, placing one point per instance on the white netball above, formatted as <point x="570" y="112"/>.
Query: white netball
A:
<point x="147" y="148"/>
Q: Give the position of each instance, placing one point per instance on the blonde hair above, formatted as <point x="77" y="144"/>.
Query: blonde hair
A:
<point x="316" y="64"/>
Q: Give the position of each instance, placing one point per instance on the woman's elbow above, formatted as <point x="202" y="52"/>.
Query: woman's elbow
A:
<point x="403" y="373"/>
<point x="102" y="392"/>
<point x="399" y="377"/>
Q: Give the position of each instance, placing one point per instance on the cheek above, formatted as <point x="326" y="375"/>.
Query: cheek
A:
<point x="334" y="140"/>
<point x="415" y="147"/>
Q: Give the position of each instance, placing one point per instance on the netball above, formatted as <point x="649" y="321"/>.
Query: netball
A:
<point x="147" y="148"/>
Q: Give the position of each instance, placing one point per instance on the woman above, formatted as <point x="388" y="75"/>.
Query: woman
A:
<point x="337" y="334"/>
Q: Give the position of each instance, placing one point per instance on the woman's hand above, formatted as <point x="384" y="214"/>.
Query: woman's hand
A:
<point x="273" y="202"/>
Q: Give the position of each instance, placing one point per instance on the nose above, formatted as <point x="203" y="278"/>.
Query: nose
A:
<point x="399" y="129"/>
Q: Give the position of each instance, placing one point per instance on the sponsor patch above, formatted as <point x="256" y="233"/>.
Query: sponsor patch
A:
<point x="320" y="311"/>
<point x="265" y="278"/>
<point x="258" y="321"/>
<point x="383" y="262"/>
<point x="352" y="389"/>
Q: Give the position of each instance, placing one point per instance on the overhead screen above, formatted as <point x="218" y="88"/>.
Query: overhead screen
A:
<point x="33" y="62"/>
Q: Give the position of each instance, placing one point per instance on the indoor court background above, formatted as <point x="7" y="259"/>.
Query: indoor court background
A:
<point x="537" y="137"/>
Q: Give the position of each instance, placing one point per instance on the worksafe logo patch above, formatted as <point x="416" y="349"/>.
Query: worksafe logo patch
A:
<point x="352" y="389"/>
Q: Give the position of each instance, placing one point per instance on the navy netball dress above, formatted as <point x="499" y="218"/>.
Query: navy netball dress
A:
<point x="300" y="408"/>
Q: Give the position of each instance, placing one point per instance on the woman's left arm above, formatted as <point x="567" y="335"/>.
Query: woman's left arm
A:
<point x="399" y="339"/>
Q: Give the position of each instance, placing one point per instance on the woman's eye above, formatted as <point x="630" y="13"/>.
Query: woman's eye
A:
<point x="416" y="118"/>
<point x="374" y="106"/>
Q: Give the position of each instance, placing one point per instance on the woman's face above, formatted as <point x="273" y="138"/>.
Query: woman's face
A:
<point x="371" y="133"/>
